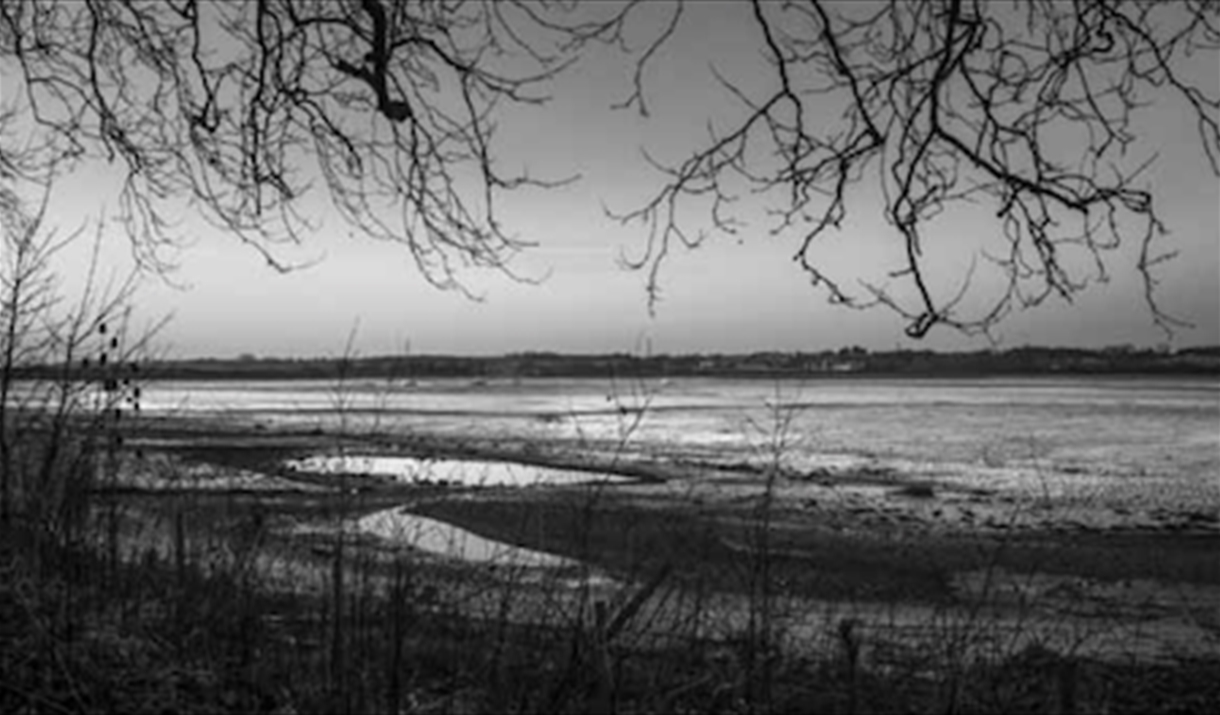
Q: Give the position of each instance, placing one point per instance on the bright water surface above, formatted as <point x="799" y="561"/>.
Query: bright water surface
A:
<point x="1144" y="425"/>
<point x="1147" y="443"/>
<point x="440" y="538"/>
<point x="1110" y="433"/>
<point x="460" y="472"/>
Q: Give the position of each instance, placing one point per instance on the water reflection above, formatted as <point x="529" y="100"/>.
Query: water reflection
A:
<point x="448" y="471"/>
<point x="441" y="538"/>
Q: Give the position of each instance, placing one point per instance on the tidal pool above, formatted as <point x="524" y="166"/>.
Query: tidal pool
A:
<point x="463" y="472"/>
<point x="447" y="540"/>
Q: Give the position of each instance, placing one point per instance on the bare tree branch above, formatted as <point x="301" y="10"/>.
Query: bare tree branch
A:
<point x="242" y="107"/>
<point x="946" y="102"/>
<point x="252" y="110"/>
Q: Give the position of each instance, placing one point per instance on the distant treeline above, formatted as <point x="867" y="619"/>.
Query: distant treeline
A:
<point x="853" y="360"/>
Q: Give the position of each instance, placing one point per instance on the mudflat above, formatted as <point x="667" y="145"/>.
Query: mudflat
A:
<point x="1091" y="543"/>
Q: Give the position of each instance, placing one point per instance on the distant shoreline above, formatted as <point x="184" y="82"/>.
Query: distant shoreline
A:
<point x="829" y="365"/>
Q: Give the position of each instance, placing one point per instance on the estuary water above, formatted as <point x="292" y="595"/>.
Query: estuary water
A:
<point x="1146" y="438"/>
<point x="1136" y="452"/>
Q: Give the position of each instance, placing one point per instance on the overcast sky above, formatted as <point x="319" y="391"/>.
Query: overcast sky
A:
<point x="729" y="296"/>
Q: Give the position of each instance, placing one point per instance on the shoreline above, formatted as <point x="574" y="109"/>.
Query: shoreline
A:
<point x="853" y="544"/>
<point x="681" y="582"/>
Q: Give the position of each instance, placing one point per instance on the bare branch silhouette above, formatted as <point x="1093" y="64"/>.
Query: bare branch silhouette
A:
<point x="241" y="108"/>
<point x="1025" y="107"/>
<point x="253" y="110"/>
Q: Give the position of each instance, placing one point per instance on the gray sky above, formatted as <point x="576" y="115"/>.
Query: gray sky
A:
<point x="728" y="296"/>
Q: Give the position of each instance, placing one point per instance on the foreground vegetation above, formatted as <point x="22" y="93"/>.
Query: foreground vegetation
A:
<point x="141" y="602"/>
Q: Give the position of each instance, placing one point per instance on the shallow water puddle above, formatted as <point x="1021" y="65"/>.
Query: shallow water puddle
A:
<point x="462" y="472"/>
<point x="444" y="539"/>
